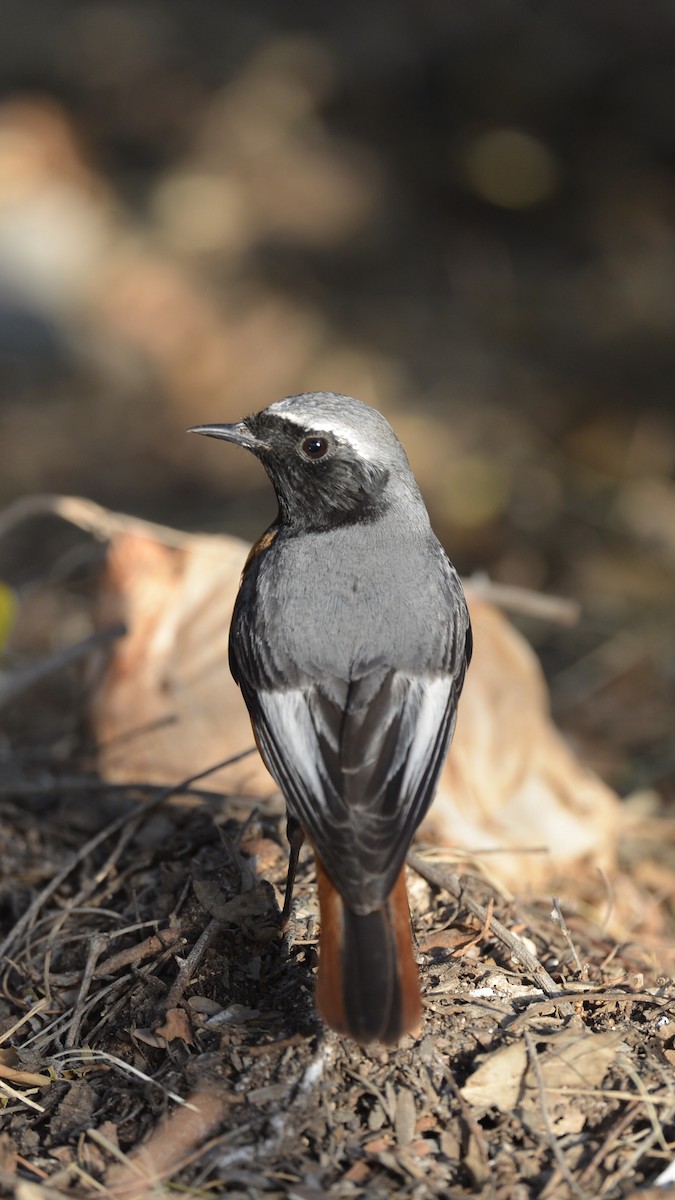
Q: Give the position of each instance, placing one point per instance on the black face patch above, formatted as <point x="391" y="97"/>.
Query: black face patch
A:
<point x="322" y="492"/>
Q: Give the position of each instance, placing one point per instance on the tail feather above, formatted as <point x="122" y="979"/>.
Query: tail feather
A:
<point x="368" y="985"/>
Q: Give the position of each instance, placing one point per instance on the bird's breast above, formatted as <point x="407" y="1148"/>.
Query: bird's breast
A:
<point x="342" y="605"/>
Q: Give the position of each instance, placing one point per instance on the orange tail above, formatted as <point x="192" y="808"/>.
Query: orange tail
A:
<point x="368" y="985"/>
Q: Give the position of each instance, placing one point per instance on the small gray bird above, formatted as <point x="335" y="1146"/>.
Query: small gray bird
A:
<point x="350" y="639"/>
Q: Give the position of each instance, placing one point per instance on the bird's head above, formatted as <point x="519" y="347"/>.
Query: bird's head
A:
<point x="332" y="460"/>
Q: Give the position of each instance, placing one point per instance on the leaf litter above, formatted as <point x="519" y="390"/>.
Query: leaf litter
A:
<point x="275" y="1104"/>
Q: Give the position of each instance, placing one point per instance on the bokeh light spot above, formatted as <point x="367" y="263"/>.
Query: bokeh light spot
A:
<point x="511" y="169"/>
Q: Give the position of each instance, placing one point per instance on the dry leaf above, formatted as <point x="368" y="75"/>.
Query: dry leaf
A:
<point x="576" y="1061"/>
<point x="573" y="1060"/>
<point x="74" y="1112"/>
<point x="510" y="779"/>
<point x="456" y="940"/>
<point x="498" y="1080"/>
<point x="176" y="1025"/>
<point x="9" y="1071"/>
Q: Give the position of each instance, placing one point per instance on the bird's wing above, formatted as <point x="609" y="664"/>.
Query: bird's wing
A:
<point x="358" y="764"/>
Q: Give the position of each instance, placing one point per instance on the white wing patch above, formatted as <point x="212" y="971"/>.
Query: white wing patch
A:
<point x="288" y="715"/>
<point x="433" y="699"/>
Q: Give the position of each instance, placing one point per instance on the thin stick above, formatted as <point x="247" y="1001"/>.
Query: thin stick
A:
<point x="126" y="835"/>
<point x="90" y="516"/>
<point x="162" y="940"/>
<point x="86" y="1178"/>
<point x="559" y="609"/>
<point x="114" y="1151"/>
<point x="566" y="934"/>
<point x="627" y="1167"/>
<point x="191" y="963"/>
<point x="552" y="1139"/>
<point x="86" y="1055"/>
<point x="121" y="986"/>
<point x="625" y="1119"/>
<point x="22" y="1096"/>
<point x="534" y="1007"/>
<point x="96" y="947"/>
<point x="8" y="1033"/>
<point x="647" y="1099"/>
<point x="441" y="877"/>
<point x="14" y="683"/>
<point x="471" y="1122"/>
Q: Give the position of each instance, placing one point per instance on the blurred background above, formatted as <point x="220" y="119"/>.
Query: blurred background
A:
<point x="463" y="214"/>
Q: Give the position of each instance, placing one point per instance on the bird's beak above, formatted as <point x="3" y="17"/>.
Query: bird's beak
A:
<point x="240" y="434"/>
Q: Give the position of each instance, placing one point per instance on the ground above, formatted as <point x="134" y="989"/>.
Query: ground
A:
<point x="158" y="1028"/>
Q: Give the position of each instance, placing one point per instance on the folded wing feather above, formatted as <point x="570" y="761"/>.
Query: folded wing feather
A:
<point x="358" y="764"/>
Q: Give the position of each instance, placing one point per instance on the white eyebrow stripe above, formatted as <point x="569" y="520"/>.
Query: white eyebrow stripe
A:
<point x="346" y="433"/>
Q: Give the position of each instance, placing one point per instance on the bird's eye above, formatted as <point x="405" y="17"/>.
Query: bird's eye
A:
<point x="315" y="447"/>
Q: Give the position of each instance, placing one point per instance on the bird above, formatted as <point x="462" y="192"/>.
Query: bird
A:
<point x="350" y="638"/>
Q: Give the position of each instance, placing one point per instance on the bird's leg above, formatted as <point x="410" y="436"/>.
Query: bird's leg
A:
<point x="296" y="836"/>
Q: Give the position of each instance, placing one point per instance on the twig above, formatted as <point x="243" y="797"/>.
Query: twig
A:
<point x="471" y="1122"/>
<point x="441" y="877"/>
<point x="8" y="1033"/>
<point x="566" y="933"/>
<point x="247" y="878"/>
<point x="113" y="1150"/>
<point x="580" y="996"/>
<point x="74" y="1168"/>
<point x="86" y="1055"/>
<point x="609" y="1142"/>
<point x="127" y="833"/>
<point x="191" y="963"/>
<point x="14" y="683"/>
<point x="98" y="942"/>
<point x="88" y="515"/>
<point x="83" y="1007"/>
<point x="22" y="1096"/>
<point x="157" y="942"/>
<point x="647" y="1100"/>
<point x="626" y="1168"/>
<point x="370" y="1087"/>
<point x="552" y="1139"/>
<point x="25" y="921"/>
<point x="162" y="940"/>
<point x="560" y="609"/>
<point x="121" y="986"/>
<point x="90" y="783"/>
